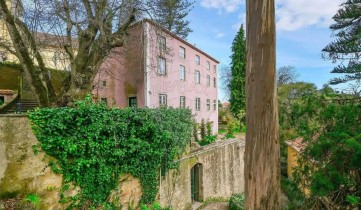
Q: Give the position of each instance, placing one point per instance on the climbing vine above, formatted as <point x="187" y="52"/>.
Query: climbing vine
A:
<point x="93" y="145"/>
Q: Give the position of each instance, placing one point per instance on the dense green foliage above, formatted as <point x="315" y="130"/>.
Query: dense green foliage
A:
<point x="330" y="164"/>
<point x="346" y="47"/>
<point x="236" y="202"/>
<point x="93" y="145"/>
<point x="171" y="14"/>
<point x="206" y="133"/>
<point x="237" y="85"/>
<point x="294" y="195"/>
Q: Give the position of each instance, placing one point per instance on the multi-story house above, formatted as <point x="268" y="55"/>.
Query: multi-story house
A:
<point x="54" y="56"/>
<point x="157" y="68"/>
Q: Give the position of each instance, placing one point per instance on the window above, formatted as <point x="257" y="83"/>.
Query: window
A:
<point x="105" y="100"/>
<point x="56" y="58"/>
<point x="132" y="101"/>
<point x="198" y="60"/>
<point x="162" y="43"/>
<point x="161" y="66"/>
<point x="182" y="52"/>
<point x="198" y="104"/>
<point x="214" y="68"/>
<point x="104" y="83"/>
<point x="215" y="82"/>
<point x="182" y="73"/>
<point x="162" y="100"/>
<point x="208" y="80"/>
<point x="208" y="104"/>
<point x="208" y="65"/>
<point x="214" y="104"/>
<point x="182" y="102"/>
<point x="198" y="77"/>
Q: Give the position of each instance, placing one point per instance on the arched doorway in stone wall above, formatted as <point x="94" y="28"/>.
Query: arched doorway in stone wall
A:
<point x="197" y="182"/>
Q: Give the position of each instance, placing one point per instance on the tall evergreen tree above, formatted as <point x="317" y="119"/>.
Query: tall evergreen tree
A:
<point x="237" y="84"/>
<point x="171" y="14"/>
<point x="347" y="46"/>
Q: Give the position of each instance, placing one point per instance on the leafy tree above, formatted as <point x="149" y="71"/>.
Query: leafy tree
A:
<point x="237" y="84"/>
<point x="286" y="75"/>
<point x="330" y="166"/>
<point x="289" y="96"/>
<point x="262" y="150"/>
<point x="171" y="14"/>
<point x="346" y="47"/>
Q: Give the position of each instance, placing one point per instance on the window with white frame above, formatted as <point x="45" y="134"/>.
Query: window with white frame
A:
<point x="162" y="43"/>
<point x="214" y="104"/>
<point x="214" y="68"/>
<point x="162" y="100"/>
<point x="182" y="52"/>
<point x="182" y="102"/>
<point x="197" y="77"/>
<point x="208" y="80"/>
<point x="214" y="82"/>
<point x="198" y="104"/>
<point x="208" y="65"/>
<point x="198" y="60"/>
<point x="182" y="72"/>
<point x="161" y="66"/>
<point x="208" y="104"/>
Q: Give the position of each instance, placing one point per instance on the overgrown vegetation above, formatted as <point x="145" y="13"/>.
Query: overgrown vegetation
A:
<point x="206" y="133"/>
<point x="330" y="164"/>
<point x="236" y="202"/>
<point x="93" y="145"/>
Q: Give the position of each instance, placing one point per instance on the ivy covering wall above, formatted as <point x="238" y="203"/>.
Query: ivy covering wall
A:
<point x="93" y="145"/>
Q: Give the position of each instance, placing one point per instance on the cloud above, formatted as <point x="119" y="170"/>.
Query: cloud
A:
<point x="241" y="20"/>
<point x="227" y="5"/>
<point x="296" y="14"/>
<point x="219" y="35"/>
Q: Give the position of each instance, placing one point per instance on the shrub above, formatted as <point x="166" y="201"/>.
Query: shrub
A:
<point x="208" y="140"/>
<point x="195" y="131"/>
<point x="209" y="128"/>
<point x="203" y="129"/>
<point x="236" y="202"/>
<point x="93" y="145"/>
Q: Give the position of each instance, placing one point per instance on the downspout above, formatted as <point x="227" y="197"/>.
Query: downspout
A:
<point x="146" y="64"/>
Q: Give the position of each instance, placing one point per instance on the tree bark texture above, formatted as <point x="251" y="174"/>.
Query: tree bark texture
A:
<point x="262" y="155"/>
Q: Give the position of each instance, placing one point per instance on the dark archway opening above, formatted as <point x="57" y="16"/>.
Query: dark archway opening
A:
<point x="197" y="182"/>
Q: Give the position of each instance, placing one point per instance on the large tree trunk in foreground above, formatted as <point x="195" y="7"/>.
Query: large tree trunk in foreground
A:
<point x="262" y="156"/>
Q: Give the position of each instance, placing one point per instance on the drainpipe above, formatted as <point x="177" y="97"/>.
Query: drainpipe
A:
<point x="146" y="64"/>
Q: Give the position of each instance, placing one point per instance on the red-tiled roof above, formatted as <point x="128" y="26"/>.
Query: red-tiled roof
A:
<point x="298" y="144"/>
<point x="6" y="92"/>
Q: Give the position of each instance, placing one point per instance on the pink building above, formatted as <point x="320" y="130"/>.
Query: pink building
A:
<point x="155" y="68"/>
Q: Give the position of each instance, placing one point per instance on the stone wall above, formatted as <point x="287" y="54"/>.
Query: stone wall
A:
<point x="22" y="172"/>
<point x="221" y="175"/>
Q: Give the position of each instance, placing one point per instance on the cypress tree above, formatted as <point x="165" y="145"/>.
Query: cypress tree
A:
<point x="347" y="45"/>
<point x="171" y="14"/>
<point x="238" y="71"/>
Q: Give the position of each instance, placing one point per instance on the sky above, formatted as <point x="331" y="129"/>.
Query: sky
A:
<point x="302" y="31"/>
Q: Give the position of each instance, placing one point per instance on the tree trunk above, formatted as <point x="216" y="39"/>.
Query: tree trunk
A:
<point x="262" y="155"/>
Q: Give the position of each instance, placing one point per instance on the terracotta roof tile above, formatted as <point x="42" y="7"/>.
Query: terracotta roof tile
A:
<point x="6" y="92"/>
<point x="298" y="144"/>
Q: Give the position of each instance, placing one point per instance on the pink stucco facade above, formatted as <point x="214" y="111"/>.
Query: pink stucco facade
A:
<point x="149" y="69"/>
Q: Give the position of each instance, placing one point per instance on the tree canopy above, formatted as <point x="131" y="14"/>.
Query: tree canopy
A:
<point x="237" y="83"/>
<point x="347" y="45"/>
<point x="171" y="14"/>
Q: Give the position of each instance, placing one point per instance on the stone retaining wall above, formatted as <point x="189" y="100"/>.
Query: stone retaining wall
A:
<point x="22" y="172"/>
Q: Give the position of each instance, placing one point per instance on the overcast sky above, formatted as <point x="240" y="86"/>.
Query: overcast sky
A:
<point x="302" y="32"/>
